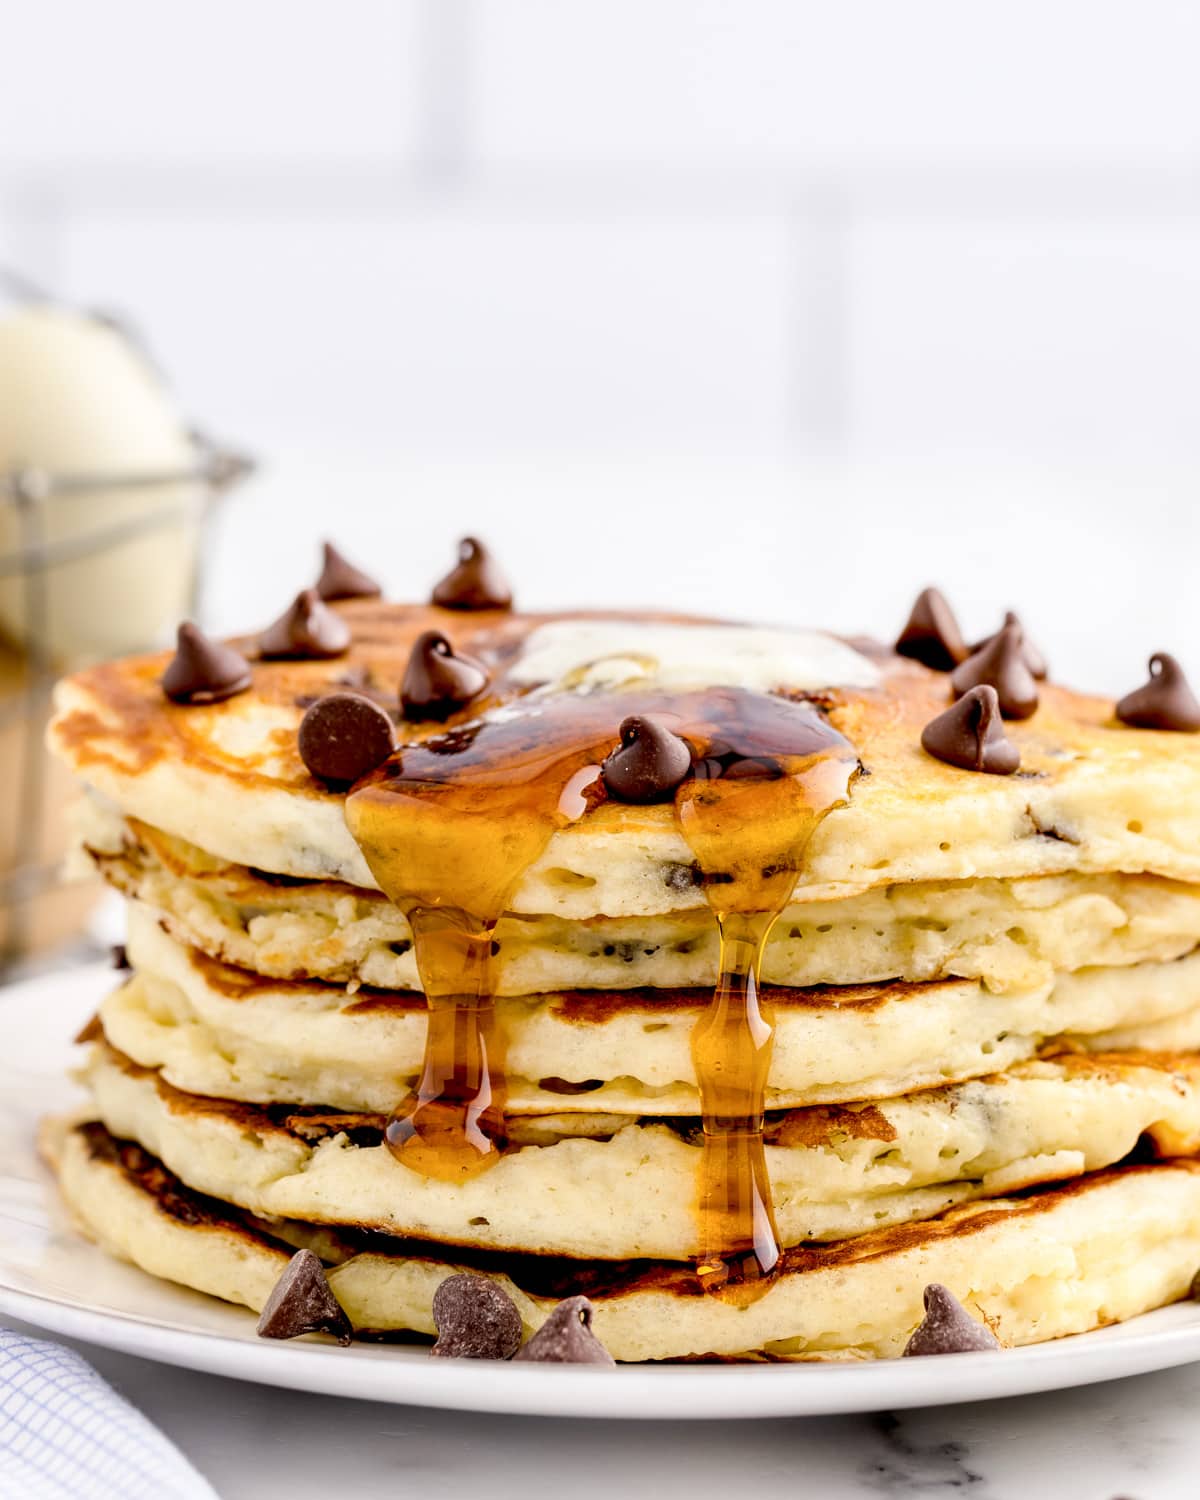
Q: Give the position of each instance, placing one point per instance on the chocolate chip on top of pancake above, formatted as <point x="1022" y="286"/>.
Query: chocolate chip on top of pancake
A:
<point x="307" y="630"/>
<point x="340" y="579"/>
<point x="475" y="581"/>
<point x="1165" y="702"/>
<point x="931" y="634"/>
<point x="203" y="670"/>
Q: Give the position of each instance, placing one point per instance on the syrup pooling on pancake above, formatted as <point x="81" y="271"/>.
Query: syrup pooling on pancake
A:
<point x="449" y="826"/>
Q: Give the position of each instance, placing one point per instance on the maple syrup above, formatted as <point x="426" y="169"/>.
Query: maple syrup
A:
<point x="450" y="825"/>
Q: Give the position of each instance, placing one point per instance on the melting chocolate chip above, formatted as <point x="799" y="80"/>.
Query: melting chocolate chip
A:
<point x="203" y="670"/>
<point x="1034" y="659"/>
<point x="1165" y="702"/>
<point x="301" y="1302"/>
<point x="932" y="635"/>
<point x="649" y="763"/>
<point x="340" y="579"/>
<point x="307" y="630"/>
<point x="437" y="682"/>
<point x="1000" y="663"/>
<point x="566" y="1338"/>
<point x="948" y="1328"/>
<point x="970" y="734"/>
<point x="475" y="1319"/>
<point x="475" y="581"/>
<point x="119" y="958"/>
<point x="344" y="736"/>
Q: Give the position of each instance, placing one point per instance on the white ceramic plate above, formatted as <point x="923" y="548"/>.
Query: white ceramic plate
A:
<point x="51" y="1277"/>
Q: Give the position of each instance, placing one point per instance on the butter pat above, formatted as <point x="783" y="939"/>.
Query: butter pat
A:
<point x="600" y="655"/>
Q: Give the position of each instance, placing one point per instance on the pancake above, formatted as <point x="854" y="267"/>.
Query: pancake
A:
<point x="1011" y="934"/>
<point x="1053" y="1262"/>
<point x="217" y="1030"/>
<point x="1092" y="795"/>
<point x="629" y="1193"/>
<point x="579" y="1107"/>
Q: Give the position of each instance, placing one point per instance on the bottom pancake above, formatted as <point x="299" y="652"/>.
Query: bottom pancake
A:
<point x="1035" y="1267"/>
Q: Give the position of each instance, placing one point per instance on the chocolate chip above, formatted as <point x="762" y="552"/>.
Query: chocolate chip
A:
<point x="202" y="670"/>
<point x="1034" y="659"/>
<point x="566" y="1338"/>
<point x="475" y="1319"/>
<point x="307" y="630"/>
<point x="948" y="1328"/>
<point x="1000" y="663"/>
<point x="119" y="958"/>
<point x="970" y="734"/>
<point x="340" y="579"/>
<point x="344" y="736"/>
<point x="475" y="581"/>
<point x="301" y="1302"/>
<point x="1165" y="702"/>
<point x="932" y="635"/>
<point x="649" y="763"/>
<point x="437" y="682"/>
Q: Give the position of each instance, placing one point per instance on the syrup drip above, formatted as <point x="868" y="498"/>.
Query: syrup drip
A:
<point x="449" y="826"/>
<point x="755" y="831"/>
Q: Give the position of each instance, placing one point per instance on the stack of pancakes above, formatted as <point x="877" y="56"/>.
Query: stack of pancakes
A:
<point x="979" y="1015"/>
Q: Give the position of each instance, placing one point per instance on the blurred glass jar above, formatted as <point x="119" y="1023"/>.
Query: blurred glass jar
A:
<point x="107" y="489"/>
<point x="104" y="494"/>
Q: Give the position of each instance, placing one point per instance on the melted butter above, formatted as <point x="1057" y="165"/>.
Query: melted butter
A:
<point x="450" y="826"/>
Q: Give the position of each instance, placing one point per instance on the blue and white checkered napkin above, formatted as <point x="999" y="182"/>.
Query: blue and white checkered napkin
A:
<point x="65" y="1434"/>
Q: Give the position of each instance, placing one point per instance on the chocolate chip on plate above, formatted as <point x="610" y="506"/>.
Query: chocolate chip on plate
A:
<point x="340" y="579"/>
<point x="970" y="734"/>
<point x="1034" y="659"/>
<point x="308" y="630"/>
<point x="475" y="581"/>
<point x="650" y="762"/>
<point x="302" y="1301"/>
<point x="475" y="1319"/>
<point x="931" y="634"/>
<point x="948" y="1328"/>
<point x="1165" y="702"/>
<point x="566" y="1338"/>
<point x="437" y="682"/>
<point x="344" y="736"/>
<point x="1000" y="663"/>
<point x="203" y="670"/>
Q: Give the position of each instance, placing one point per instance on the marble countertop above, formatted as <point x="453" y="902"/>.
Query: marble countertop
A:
<point x="1134" y="1439"/>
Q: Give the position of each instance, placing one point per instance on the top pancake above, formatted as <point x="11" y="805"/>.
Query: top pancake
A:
<point x="1091" y="795"/>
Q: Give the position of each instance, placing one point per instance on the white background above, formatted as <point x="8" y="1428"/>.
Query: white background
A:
<point x="767" y="306"/>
